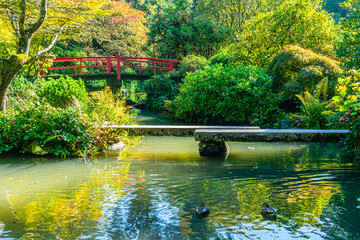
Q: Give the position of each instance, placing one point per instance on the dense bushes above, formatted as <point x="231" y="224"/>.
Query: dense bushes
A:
<point x="176" y="31"/>
<point x="347" y="103"/>
<point x="43" y="129"/>
<point x="301" y="22"/>
<point x="41" y="123"/>
<point x="348" y="49"/>
<point x="314" y="112"/>
<point x="227" y="94"/>
<point x="295" y="70"/>
<point x="106" y="108"/>
<point x="191" y="63"/>
<point x="160" y="89"/>
<point x="63" y="91"/>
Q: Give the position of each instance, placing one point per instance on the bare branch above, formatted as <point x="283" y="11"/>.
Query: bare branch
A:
<point x="51" y="45"/>
<point x="41" y="20"/>
<point x="39" y="58"/>
<point x="22" y="15"/>
<point x="13" y="22"/>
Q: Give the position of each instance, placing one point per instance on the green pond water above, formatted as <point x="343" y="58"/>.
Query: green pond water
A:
<point x="151" y="192"/>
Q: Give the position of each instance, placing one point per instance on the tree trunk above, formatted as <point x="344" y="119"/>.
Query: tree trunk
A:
<point x="9" y="68"/>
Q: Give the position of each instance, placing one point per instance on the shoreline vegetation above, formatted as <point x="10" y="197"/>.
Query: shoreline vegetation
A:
<point x="281" y="64"/>
<point x="59" y="117"/>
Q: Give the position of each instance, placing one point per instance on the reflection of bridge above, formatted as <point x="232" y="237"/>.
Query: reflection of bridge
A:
<point x="77" y="67"/>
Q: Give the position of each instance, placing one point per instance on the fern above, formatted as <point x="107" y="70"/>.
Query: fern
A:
<point x="313" y="107"/>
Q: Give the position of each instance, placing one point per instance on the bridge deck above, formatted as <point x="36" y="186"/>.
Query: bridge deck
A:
<point x="270" y="135"/>
<point x="173" y="130"/>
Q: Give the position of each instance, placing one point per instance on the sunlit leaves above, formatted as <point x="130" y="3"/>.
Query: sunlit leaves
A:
<point x="233" y="14"/>
<point x="294" y="22"/>
<point x="348" y="48"/>
<point x="80" y="20"/>
<point x="176" y="31"/>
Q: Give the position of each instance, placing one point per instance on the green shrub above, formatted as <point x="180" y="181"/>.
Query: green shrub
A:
<point x="295" y="70"/>
<point x="158" y="90"/>
<point x="63" y="91"/>
<point x="314" y="107"/>
<point x="21" y="92"/>
<point x="96" y="83"/>
<point x="191" y="63"/>
<point x="106" y="108"/>
<point x="232" y="93"/>
<point x="224" y="57"/>
<point x="292" y="22"/>
<point x="348" y="48"/>
<point x="347" y="103"/>
<point x="36" y="126"/>
<point x="62" y="132"/>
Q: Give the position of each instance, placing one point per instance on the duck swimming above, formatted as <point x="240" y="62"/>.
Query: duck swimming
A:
<point x="268" y="211"/>
<point x="202" y="209"/>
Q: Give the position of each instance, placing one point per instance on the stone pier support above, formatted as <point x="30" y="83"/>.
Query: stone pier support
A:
<point x="214" y="147"/>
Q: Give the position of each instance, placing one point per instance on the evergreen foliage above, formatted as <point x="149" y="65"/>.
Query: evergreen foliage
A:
<point x="63" y="91"/>
<point x="314" y="107"/>
<point x="294" y="22"/>
<point x="176" y="32"/>
<point x="295" y="70"/>
<point x="62" y="132"/>
<point x="348" y="48"/>
<point x="227" y="94"/>
<point x="347" y="103"/>
<point x="159" y="90"/>
<point x="191" y="63"/>
<point x="335" y="8"/>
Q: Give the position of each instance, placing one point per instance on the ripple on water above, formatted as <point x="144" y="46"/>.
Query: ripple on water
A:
<point x="157" y="196"/>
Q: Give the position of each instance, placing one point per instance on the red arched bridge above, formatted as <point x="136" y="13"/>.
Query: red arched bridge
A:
<point x="109" y="68"/>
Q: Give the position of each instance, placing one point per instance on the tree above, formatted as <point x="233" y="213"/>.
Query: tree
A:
<point x="34" y="26"/>
<point x="235" y="13"/>
<point x="175" y="31"/>
<point x="119" y="29"/>
<point x="295" y="70"/>
<point x="295" y="22"/>
<point x="336" y="9"/>
<point x="348" y="48"/>
<point x="143" y="5"/>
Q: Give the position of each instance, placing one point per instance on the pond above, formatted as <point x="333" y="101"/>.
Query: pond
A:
<point x="151" y="192"/>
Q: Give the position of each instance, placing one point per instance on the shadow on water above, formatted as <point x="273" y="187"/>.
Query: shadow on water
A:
<point x="152" y="192"/>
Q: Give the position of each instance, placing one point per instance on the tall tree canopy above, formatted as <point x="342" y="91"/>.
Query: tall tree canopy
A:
<point x="295" y="22"/>
<point x="32" y="27"/>
<point x="233" y="13"/>
<point x="348" y="48"/>
<point x="176" y="31"/>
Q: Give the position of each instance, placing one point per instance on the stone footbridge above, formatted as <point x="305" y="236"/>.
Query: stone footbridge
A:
<point x="213" y="138"/>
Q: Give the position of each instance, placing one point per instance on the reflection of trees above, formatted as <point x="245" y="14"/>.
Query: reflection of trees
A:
<point x="342" y="219"/>
<point x="302" y="202"/>
<point x="68" y="215"/>
<point x="113" y="204"/>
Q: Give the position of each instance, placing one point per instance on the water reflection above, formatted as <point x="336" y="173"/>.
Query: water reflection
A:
<point x="70" y="213"/>
<point x="153" y="193"/>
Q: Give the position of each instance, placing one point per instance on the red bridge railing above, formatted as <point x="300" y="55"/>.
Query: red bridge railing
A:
<point x="118" y="63"/>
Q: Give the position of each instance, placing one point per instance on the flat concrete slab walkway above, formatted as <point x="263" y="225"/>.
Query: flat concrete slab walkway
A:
<point x="174" y="130"/>
<point x="270" y="135"/>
